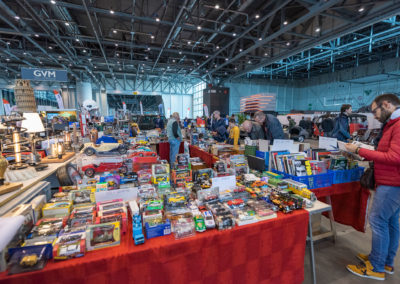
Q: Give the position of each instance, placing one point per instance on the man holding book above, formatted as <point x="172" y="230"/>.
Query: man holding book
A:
<point x="385" y="211"/>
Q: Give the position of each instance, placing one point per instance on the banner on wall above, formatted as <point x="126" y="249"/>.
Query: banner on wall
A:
<point x="44" y="74"/>
<point x="124" y="107"/>
<point x="59" y="99"/>
<point x="141" y="108"/>
<point x="7" y="108"/>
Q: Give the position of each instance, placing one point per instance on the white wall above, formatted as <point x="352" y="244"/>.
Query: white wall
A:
<point x="178" y="103"/>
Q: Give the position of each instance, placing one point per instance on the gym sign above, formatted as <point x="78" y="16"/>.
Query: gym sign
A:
<point x="44" y="74"/>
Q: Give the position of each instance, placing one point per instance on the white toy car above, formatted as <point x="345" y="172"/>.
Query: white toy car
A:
<point x="104" y="149"/>
<point x="209" y="220"/>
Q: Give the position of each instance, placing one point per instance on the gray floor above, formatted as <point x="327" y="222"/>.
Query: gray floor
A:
<point x="332" y="258"/>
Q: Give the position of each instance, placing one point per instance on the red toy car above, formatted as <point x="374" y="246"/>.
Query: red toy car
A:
<point x="91" y="169"/>
<point x="141" y="153"/>
<point x="235" y="202"/>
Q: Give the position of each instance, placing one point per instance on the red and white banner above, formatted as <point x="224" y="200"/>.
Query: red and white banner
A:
<point x="7" y="108"/>
<point x="205" y="107"/>
<point x="59" y="99"/>
<point x="124" y="107"/>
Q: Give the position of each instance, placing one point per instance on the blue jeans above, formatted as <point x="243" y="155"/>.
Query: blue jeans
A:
<point x="384" y="220"/>
<point x="174" y="145"/>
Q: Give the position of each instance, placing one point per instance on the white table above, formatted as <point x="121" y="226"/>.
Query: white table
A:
<point x="319" y="207"/>
<point x="29" y="184"/>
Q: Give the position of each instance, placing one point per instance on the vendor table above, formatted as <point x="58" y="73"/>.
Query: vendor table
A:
<point x="208" y="158"/>
<point x="349" y="203"/>
<point x="163" y="150"/>
<point x="270" y="251"/>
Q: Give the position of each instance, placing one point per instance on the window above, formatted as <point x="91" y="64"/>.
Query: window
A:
<point x="198" y="99"/>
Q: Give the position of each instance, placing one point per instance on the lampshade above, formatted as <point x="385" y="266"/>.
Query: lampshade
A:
<point x="32" y="122"/>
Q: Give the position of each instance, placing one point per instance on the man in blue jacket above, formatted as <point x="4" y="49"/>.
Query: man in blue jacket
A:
<point x="341" y="131"/>
<point x="218" y="128"/>
<point x="271" y="126"/>
<point x="174" y="137"/>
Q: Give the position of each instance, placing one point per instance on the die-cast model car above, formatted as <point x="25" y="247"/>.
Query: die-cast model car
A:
<point x="104" y="149"/>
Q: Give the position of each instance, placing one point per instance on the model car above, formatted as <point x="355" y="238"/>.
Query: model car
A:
<point x="104" y="149"/>
<point x="258" y="183"/>
<point x="29" y="260"/>
<point x="142" y="153"/>
<point x="103" y="234"/>
<point x="91" y="169"/>
<point x="236" y="203"/>
<point x="209" y="220"/>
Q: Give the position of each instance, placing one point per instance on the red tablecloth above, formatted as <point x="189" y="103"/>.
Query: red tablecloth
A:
<point x="163" y="150"/>
<point x="208" y="158"/>
<point x="270" y="251"/>
<point x="349" y="203"/>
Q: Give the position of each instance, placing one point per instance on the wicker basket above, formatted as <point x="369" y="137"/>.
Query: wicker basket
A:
<point x="24" y="96"/>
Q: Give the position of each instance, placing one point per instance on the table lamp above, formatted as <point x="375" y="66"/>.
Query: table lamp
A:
<point x="33" y="124"/>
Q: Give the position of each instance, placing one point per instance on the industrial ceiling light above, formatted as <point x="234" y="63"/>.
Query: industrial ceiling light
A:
<point x="285" y="23"/>
<point x="36" y="35"/>
<point x="66" y="23"/>
<point x="24" y="53"/>
<point x="152" y="36"/>
<point x="120" y="69"/>
<point x="117" y="62"/>
<point x="157" y="19"/>
<point x="50" y="47"/>
<point x="355" y="38"/>
<point x="16" y="17"/>
<point x="226" y="59"/>
<point x="53" y="2"/>
<point x="288" y="43"/>
<point x="236" y="68"/>
<point x="234" y="34"/>
<point x="115" y="31"/>
<point x="265" y="54"/>
<point x="361" y="9"/>
<point x="257" y="16"/>
<point x="173" y="60"/>
<point x="148" y="48"/>
<point x="189" y="42"/>
<point x="217" y="47"/>
<point x="146" y="57"/>
<point x="240" y="50"/>
<point x="59" y="57"/>
<point x="77" y="39"/>
<point x="112" y="12"/>
<point x="206" y="56"/>
<point x="259" y="38"/>
<point x="199" y="27"/>
<point x="84" y="51"/>
<point x="95" y="67"/>
<point x="8" y="43"/>
<point x="116" y="45"/>
<point x="8" y="59"/>
<point x="318" y="29"/>
<point x="216" y="6"/>
<point x="117" y="54"/>
<point x="180" y="52"/>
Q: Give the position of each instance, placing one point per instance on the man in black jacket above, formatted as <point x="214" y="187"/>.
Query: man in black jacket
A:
<point x="253" y="130"/>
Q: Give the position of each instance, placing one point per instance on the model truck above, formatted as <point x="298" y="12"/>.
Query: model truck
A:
<point x="137" y="232"/>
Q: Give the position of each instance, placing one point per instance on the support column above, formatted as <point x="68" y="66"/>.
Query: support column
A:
<point x="103" y="102"/>
<point x="83" y="91"/>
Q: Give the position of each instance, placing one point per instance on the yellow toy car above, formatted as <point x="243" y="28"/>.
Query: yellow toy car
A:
<point x="29" y="260"/>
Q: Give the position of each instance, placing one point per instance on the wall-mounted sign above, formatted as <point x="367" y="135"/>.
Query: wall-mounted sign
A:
<point x="44" y="74"/>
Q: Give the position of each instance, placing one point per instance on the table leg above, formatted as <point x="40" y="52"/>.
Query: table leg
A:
<point x="312" y="257"/>
<point x="331" y="218"/>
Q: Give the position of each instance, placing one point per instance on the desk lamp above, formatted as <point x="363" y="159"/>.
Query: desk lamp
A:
<point x="33" y="124"/>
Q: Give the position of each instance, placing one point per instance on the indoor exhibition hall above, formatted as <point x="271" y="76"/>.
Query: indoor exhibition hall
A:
<point x="199" y="141"/>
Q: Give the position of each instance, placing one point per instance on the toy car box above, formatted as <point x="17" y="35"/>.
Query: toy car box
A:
<point x="25" y="259"/>
<point x="100" y="236"/>
<point x="56" y="209"/>
<point x="182" y="162"/>
<point x="160" y="173"/>
<point x="121" y="217"/>
<point x="158" y="230"/>
<point x="70" y="246"/>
